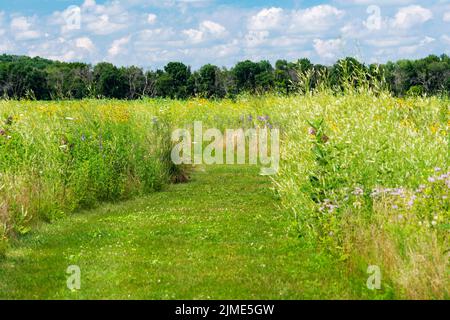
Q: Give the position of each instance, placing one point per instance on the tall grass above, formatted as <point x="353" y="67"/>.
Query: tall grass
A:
<point x="365" y="175"/>
<point x="356" y="175"/>
<point x="61" y="156"/>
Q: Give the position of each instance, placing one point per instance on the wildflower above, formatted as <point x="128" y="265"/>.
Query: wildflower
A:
<point x="397" y="192"/>
<point x="358" y="191"/>
<point x="443" y="177"/>
<point x="325" y="138"/>
<point x="395" y="207"/>
<point x="250" y="118"/>
<point x="412" y="200"/>
<point x="434" y="223"/>
<point x="431" y="179"/>
<point x="2" y="132"/>
<point x="421" y="188"/>
<point x="437" y="169"/>
<point x="400" y="217"/>
<point x="83" y="137"/>
<point x="312" y="131"/>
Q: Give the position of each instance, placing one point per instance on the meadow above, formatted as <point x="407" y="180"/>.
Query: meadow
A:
<point x="364" y="181"/>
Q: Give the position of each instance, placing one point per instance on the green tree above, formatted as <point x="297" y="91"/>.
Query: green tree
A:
<point x="109" y="81"/>
<point x="173" y="82"/>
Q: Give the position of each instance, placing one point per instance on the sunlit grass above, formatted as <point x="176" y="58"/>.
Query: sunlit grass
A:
<point x="364" y="176"/>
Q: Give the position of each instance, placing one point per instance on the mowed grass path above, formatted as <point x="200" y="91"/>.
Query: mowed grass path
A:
<point x="220" y="236"/>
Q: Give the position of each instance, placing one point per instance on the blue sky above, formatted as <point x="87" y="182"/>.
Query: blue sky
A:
<point x="149" y="33"/>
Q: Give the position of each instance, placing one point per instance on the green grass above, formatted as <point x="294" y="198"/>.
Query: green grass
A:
<point x="220" y="236"/>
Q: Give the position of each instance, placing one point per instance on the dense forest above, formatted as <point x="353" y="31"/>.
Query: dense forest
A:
<point x="42" y="79"/>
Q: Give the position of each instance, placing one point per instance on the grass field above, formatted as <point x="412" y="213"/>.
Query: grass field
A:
<point x="219" y="237"/>
<point x="364" y="181"/>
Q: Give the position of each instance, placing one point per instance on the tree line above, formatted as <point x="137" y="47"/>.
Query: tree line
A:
<point x="43" y="79"/>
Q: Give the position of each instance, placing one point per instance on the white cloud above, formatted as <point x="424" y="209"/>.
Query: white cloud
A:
<point x="409" y="50"/>
<point x="267" y="19"/>
<point x="117" y="46"/>
<point x="22" y="29"/>
<point x="446" y="17"/>
<point x="152" y="32"/>
<point x="256" y="38"/>
<point x="328" y="49"/>
<point x="446" y="39"/>
<point x="207" y="30"/>
<point x="315" y="19"/>
<point x="408" y="17"/>
<point x="213" y="28"/>
<point x="63" y="49"/>
<point x="85" y="43"/>
<point x="102" y="25"/>
<point x="194" y="35"/>
<point x="151" y="18"/>
<point x="89" y="3"/>
<point x="384" y="42"/>
<point x="378" y="2"/>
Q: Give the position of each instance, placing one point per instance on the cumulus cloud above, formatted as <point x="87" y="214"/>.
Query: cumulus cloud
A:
<point x="409" y="50"/>
<point x="316" y="19"/>
<point x="411" y="16"/>
<point x="378" y="2"/>
<point x="85" y="43"/>
<point x="22" y="29"/>
<point x="213" y="28"/>
<point x="152" y="32"/>
<point x="207" y="30"/>
<point x="117" y="46"/>
<point x="63" y="49"/>
<point x="256" y="38"/>
<point x="194" y="35"/>
<point x="267" y="19"/>
<point x="328" y="49"/>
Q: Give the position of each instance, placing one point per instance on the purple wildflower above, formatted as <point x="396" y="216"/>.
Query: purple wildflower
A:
<point x="261" y="118"/>
<point x="312" y="131"/>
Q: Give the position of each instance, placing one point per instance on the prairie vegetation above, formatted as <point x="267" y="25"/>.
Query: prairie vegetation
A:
<point x="364" y="176"/>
